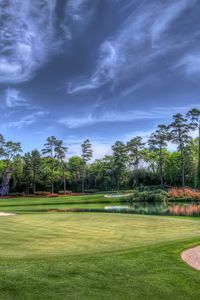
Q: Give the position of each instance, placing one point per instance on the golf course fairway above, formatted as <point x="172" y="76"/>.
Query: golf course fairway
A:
<point x="97" y="256"/>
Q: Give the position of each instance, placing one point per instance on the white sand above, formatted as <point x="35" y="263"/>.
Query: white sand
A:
<point x="4" y="214"/>
<point x="192" y="257"/>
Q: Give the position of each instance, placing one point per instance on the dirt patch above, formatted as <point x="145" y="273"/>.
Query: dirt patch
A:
<point x="192" y="257"/>
<point x="4" y="214"/>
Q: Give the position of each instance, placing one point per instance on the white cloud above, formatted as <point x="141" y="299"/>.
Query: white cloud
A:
<point x="26" y="121"/>
<point x="77" y="16"/>
<point x="128" y="52"/>
<point x="106" y="117"/>
<point x="109" y="63"/>
<point x="98" y="115"/>
<point x="15" y="99"/>
<point x="26" y="38"/>
<point x="190" y="64"/>
<point x="167" y="16"/>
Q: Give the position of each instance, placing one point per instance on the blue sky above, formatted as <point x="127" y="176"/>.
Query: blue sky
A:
<point x="98" y="69"/>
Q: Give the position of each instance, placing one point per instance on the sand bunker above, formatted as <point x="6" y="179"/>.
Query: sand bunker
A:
<point x="192" y="257"/>
<point x="4" y="214"/>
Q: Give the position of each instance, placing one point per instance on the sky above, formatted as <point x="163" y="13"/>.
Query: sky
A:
<point x="105" y="70"/>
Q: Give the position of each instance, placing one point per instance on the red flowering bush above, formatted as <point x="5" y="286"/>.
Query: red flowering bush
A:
<point x="186" y="193"/>
<point x="41" y="193"/>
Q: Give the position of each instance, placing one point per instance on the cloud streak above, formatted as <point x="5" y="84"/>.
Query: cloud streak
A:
<point x="141" y="40"/>
<point x="15" y="99"/>
<point x="190" y="64"/>
<point x="116" y="116"/>
<point x="78" y="14"/>
<point x="107" y="117"/>
<point x="26" y="38"/>
<point x="26" y="121"/>
<point x="168" y="15"/>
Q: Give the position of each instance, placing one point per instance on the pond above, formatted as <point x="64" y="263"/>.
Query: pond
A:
<point x="168" y="209"/>
<point x="173" y="209"/>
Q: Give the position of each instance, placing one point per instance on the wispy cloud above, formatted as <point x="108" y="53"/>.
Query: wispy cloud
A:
<point x="26" y="38"/>
<point x="168" y="14"/>
<point x="77" y="16"/>
<point x="106" y="117"/>
<point x="140" y="41"/>
<point x="99" y="115"/>
<point x="15" y="99"/>
<point x="190" y="64"/>
<point x="26" y="121"/>
<point x="109" y="63"/>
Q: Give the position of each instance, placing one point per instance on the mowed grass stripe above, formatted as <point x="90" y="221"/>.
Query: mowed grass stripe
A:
<point x="75" y="233"/>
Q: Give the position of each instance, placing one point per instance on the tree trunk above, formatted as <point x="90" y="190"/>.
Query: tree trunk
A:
<point x="34" y="182"/>
<point x="161" y="168"/>
<point x="136" y="173"/>
<point x="198" y="167"/>
<point x="118" y="187"/>
<point x="64" y="182"/>
<point x="52" y="171"/>
<point x="34" y="187"/>
<point x="83" y="180"/>
<point x="182" y="169"/>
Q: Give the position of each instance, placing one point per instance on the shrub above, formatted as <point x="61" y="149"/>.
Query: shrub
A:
<point x="187" y="193"/>
<point x="149" y="196"/>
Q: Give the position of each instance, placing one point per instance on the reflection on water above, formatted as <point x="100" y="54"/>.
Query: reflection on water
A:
<point x="185" y="210"/>
<point x="144" y="208"/>
<point x="176" y="209"/>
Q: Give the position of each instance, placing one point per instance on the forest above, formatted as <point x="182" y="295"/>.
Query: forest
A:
<point x="170" y="157"/>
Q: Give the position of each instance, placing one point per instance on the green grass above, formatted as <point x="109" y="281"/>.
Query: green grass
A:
<point x="97" y="256"/>
<point x="24" y="205"/>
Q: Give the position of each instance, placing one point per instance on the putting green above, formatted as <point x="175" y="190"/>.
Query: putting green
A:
<point x="43" y="235"/>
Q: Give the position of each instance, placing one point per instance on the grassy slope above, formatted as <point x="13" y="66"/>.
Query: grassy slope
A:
<point x="37" y="204"/>
<point x="96" y="256"/>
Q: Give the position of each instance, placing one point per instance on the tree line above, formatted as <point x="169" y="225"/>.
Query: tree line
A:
<point x="130" y="165"/>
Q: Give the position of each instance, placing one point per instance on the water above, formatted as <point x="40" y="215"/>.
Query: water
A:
<point x="173" y="209"/>
<point x="144" y="208"/>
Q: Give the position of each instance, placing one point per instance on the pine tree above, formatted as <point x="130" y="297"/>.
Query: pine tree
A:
<point x="194" y="116"/>
<point x="179" y="134"/>
<point x="135" y="149"/>
<point x="60" y="153"/>
<point x="158" y="144"/>
<point x="87" y="154"/>
<point x="48" y="150"/>
<point x="120" y="159"/>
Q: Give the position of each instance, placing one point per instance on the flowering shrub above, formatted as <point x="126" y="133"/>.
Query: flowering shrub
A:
<point x="186" y="193"/>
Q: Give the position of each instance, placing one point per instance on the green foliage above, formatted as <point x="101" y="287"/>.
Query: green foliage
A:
<point x="180" y="135"/>
<point x="158" y="144"/>
<point x="87" y="152"/>
<point x="129" y="166"/>
<point x="149" y="196"/>
<point x="119" y="160"/>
